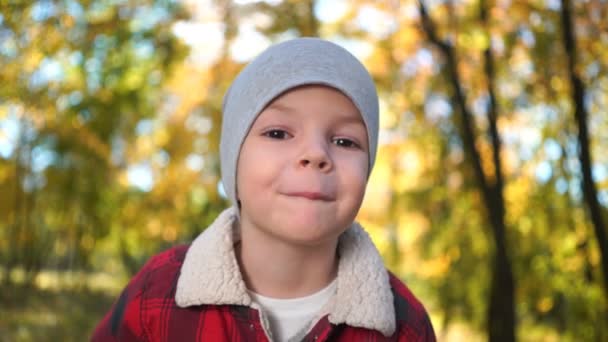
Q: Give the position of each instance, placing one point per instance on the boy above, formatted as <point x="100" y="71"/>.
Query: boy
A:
<point x="286" y="262"/>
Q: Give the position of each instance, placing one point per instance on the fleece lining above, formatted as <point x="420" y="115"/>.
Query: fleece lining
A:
<point x="210" y="275"/>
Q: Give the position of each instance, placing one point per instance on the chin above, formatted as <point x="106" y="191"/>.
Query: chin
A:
<point x="310" y="231"/>
<point x="310" y="240"/>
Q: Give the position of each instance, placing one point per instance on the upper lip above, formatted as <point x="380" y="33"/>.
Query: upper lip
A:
<point x="311" y="195"/>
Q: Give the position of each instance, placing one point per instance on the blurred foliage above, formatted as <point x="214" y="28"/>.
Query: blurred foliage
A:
<point x="109" y="129"/>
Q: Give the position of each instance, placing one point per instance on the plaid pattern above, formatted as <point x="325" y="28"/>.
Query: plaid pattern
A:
<point x="146" y="311"/>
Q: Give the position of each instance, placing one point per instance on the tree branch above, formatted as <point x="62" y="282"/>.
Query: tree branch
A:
<point x="492" y="109"/>
<point x="468" y="132"/>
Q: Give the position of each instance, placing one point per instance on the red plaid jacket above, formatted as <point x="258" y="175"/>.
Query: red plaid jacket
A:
<point x="169" y="298"/>
<point x="146" y="311"/>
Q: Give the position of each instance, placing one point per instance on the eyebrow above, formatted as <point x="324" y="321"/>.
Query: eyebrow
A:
<point x="354" y="119"/>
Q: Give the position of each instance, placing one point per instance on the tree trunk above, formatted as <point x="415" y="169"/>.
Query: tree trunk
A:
<point x="501" y="310"/>
<point x="584" y="153"/>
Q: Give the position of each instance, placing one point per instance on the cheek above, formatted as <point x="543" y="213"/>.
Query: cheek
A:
<point x="355" y="174"/>
<point x="245" y="170"/>
<point x="255" y="170"/>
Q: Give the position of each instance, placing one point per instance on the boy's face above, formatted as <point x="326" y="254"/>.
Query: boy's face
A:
<point x="303" y="167"/>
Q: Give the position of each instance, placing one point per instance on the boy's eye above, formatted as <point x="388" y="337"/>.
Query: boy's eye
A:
<point x="343" y="142"/>
<point x="276" y="134"/>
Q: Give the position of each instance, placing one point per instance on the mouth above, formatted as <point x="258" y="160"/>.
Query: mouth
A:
<point x="313" y="196"/>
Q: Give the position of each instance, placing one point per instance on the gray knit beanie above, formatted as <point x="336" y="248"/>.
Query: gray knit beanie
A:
<point x="297" y="62"/>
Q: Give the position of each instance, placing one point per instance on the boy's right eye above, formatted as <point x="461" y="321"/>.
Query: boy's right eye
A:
<point x="276" y="134"/>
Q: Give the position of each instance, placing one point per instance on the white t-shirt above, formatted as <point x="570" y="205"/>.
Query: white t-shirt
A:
<point x="287" y="317"/>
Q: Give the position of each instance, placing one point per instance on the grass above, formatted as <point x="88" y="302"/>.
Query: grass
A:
<point x="34" y="314"/>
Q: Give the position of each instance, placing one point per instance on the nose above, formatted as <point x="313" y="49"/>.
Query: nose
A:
<point x="315" y="155"/>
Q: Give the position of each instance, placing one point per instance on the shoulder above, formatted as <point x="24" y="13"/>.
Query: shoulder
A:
<point x="406" y="303"/>
<point x="412" y="318"/>
<point x="163" y="268"/>
<point x="158" y="274"/>
<point x="169" y="259"/>
<point x="155" y="280"/>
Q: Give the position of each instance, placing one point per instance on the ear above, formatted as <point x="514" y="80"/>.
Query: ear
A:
<point x="238" y="200"/>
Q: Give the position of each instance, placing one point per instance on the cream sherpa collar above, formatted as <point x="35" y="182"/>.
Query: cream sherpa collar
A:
<point x="210" y="275"/>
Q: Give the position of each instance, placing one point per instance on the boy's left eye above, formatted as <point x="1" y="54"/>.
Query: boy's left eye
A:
<point x="277" y="134"/>
<point x="344" y="142"/>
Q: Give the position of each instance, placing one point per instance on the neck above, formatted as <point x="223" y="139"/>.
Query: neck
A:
<point x="279" y="269"/>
